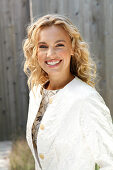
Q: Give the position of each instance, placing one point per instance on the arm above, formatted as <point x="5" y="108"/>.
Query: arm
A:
<point x="97" y="127"/>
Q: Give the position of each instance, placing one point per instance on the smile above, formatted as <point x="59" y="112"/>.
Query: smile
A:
<point x="53" y="63"/>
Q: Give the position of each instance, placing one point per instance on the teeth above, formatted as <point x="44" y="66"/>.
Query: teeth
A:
<point x="53" y="62"/>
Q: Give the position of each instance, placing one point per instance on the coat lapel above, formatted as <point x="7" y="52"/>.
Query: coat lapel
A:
<point x="35" y="100"/>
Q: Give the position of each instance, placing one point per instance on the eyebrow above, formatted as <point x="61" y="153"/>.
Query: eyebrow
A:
<point x="55" y="42"/>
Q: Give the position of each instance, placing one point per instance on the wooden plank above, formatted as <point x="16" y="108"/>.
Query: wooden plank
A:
<point x="108" y="14"/>
<point x="4" y="113"/>
<point x="10" y="70"/>
<point x="21" y="89"/>
<point x="74" y="12"/>
<point x="97" y="47"/>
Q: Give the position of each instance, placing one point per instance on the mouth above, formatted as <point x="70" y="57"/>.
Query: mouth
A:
<point x="53" y="62"/>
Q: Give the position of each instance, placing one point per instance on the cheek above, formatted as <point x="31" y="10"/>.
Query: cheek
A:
<point x="41" y="57"/>
<point x="64" y="54"/>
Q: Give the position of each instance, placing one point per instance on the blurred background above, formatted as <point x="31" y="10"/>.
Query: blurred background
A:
<point x="93" y="18"/>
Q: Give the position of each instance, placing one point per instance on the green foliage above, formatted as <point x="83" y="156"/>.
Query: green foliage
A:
<point x="97" y="167"/>
<point x="21" y="157"/>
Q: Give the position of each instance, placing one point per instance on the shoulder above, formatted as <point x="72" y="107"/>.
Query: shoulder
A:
<point x="81" y="90"/>
<point x="94" y="111"/>
<point x="90" y="96"/>
<point x="90" y="101"/>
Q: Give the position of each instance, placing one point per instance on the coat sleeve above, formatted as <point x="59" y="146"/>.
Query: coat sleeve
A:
<point x="97" y="128"/>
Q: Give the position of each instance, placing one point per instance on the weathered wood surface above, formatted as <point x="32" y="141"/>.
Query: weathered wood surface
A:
<point x="14" y="15"/>
<point x="94" y="20"/>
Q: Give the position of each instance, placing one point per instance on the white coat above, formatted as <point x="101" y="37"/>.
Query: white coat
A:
<point x="77" y="130"/>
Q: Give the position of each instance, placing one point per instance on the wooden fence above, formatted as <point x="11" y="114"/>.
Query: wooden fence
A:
<point x="94" y="19"/>
<point x="14" y="15"/>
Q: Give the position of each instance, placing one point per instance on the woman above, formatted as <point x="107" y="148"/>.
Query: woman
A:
<point x="69" y="127"/>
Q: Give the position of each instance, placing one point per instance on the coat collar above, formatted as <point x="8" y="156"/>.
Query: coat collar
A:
<point x="71" y="86"/>
<point x="76" y="86"/>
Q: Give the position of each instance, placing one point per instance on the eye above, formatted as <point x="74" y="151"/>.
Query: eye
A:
<point x="60" y="45"/>
<point x="42" y="46"/>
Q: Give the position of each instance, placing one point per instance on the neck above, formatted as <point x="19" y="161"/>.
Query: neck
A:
<point x="59" y="82"/>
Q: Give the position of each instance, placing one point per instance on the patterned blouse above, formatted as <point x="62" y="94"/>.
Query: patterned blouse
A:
<point x="46" y="95"/>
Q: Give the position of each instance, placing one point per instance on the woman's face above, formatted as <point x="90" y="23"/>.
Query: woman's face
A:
<point x="54" y="51"/>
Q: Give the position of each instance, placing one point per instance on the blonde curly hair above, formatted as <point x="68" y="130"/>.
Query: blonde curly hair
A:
<point x="81" y="64"/>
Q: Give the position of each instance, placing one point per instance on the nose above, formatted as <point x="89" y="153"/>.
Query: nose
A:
<point x="50" y="52"/>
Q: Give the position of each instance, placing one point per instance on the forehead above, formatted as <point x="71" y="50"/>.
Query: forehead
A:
<point x="53" y="32"/>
